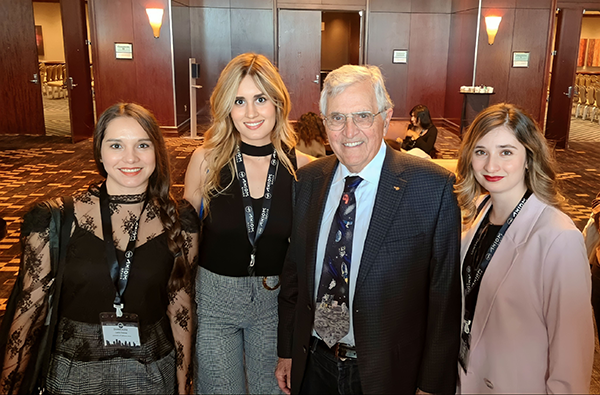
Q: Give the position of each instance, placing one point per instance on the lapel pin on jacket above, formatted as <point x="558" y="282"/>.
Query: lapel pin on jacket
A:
<point x="396" y="188"/>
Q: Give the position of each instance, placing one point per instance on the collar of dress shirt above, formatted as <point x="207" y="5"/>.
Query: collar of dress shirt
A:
<point x="370" y="173"/>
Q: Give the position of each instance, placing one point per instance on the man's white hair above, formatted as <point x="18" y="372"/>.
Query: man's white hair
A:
<point x="339" y="79"/>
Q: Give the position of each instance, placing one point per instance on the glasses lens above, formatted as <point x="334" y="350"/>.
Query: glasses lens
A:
<point x="363" y="119"/>
<point x="336" y="121"/>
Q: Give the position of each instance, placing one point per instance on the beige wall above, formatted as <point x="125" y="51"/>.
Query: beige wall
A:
<point x="590" y="28"/>
<point x="48" y="16"/>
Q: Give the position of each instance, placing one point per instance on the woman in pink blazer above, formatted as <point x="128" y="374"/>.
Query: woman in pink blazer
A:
<point x="527" y="314"/>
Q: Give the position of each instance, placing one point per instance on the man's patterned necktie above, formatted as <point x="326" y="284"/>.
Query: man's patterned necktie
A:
<point x="332" y="317"/>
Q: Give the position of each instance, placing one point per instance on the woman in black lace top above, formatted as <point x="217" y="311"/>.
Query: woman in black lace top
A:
<point x="89" y="354"/>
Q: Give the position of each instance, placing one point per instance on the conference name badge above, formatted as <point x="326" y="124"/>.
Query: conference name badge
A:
<point x="120" y="332"/>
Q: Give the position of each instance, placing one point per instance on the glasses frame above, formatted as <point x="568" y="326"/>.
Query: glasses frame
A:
<point x="351" y="115"/>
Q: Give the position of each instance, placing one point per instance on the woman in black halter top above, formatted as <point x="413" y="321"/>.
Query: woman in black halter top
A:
<point x="240" y="182"/>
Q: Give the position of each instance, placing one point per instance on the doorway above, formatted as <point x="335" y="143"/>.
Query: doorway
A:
<point x="65" y="67"/>
<point x="51" y="57"/>
<point x="312" y="43"/>
<point x="21" y="104"/>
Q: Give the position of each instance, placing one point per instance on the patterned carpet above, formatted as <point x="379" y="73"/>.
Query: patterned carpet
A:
<point x="56" y="116"/>
<point x="35" y="168"/>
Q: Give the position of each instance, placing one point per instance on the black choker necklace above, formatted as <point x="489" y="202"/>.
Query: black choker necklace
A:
<point x="252" y="150"/>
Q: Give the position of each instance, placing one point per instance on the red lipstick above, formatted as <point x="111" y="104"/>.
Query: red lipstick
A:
<point x="493" y="178"/>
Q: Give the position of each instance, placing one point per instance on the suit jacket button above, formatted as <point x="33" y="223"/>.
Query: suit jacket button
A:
<point x="488" y="383"/>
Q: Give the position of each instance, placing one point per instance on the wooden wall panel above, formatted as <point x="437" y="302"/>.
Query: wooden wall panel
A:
<point x="211" y="46"/>
<point x="283" y="3"/>
<point x="389" y="31"/>
<point x="488" y="4"/>
<point x="182" y="51"/>
<point x="262" y="4"/>
<point x="527" y="84"/>
<point x="438" y="6"/>
<point x="545" y="4"/>
<point x="494" y="61"/>
<point x="147" y="79"/>
<point x="345" y="3"/>
<point x="464" y="5"/>
<point x="210" y="3"/>
<point x="21" y="108"/>
<point x="326" y="3"/>
<point x="461" y="52"/>
<point x="390" y="5"/>
<point x="427" y="64"/>
<point x="589" y="4"/>
<point x="252" y="31"/>
<point x="524" y="28"/>
<point x="154" y="63"/>
<point x="114" y="79"/>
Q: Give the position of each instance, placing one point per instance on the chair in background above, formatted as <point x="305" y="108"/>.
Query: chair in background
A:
<point x="56" y="76"/>
<point x="590" y="95"/>
<point x="43" y="70"/>
<point x="576" y="96"/>
<point x="581" y="100"/>
<point x="595" y="110"/>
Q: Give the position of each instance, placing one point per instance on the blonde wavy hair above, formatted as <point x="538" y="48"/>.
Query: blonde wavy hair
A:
<point x="540" y="176"/>
<point x="222" y="138"/>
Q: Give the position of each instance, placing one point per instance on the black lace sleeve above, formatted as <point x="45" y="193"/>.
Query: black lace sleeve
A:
<point x="190" y="222"/>
<point x="181" y="308"/>
<point x="35" y="279"/>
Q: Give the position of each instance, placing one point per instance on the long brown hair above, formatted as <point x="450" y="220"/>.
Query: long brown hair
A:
<point x="221" y="138"/>
<point x="159" y="183"/>
<point x="540" y="176"/>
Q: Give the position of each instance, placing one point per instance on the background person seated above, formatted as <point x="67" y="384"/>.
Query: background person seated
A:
<point x="312" y="137"/>
<point x="421" y="132"/>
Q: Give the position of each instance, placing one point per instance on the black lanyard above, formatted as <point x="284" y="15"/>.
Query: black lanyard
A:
<point x="471" y="285"/>
<point x="119" y="271"/>
<point x="492" y="250"/>
<point x="255" y="232"/>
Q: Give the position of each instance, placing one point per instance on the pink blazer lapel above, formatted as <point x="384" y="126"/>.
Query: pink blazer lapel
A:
<point x="502" y="262"/>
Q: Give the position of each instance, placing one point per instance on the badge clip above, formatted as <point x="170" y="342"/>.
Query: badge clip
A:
<point x="119" y="309"/>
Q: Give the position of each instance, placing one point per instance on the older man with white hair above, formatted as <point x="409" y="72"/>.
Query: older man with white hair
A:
<point x="370" y="298"/>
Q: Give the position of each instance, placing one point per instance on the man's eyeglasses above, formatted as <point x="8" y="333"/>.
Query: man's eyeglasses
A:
<point x="337" y="121"/>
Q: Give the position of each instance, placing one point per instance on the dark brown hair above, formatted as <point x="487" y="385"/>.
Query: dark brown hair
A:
<point x="421" y="112"/>
<point x="159" y="183"/>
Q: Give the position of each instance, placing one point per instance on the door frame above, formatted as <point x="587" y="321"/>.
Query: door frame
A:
<point x="77" y="59"/>
<point x="564" y="69"/>
<point x="362" y="10"/>
<point x="21" y="104"/>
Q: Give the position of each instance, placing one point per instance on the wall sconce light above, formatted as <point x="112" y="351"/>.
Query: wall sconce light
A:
<point x="155" y="17"/>
<point x="491" y="24"/>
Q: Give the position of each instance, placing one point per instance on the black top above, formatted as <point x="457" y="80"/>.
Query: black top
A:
<point x="483" y="239"/>
<point x="88" y="290"/>
<point x="225" y="248"/>
<point x="425" y="142"/>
